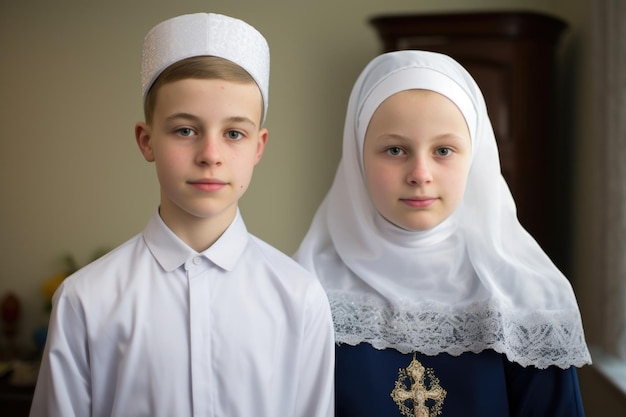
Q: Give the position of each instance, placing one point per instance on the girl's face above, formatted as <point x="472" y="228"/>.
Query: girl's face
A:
<point x="416" y="155"/>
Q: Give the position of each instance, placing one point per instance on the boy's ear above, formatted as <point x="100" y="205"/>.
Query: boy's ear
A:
<point x="263" y="134"/>
<point x="144" y="140"/>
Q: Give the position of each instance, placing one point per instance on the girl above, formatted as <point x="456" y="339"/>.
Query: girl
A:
<point x="442" y="303"/>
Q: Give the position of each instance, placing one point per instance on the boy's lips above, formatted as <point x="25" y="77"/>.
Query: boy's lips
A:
<point x="207" y="184"/>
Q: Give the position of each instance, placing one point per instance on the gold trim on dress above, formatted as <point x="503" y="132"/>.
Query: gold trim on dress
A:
<point x="418" y="399"/>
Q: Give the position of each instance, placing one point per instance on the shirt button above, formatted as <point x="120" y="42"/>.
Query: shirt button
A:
<point x="197" y="260"/>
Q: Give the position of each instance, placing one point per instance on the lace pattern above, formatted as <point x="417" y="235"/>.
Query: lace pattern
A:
<point x="541" y="339"/>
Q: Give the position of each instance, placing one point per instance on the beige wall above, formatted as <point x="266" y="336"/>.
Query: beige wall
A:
<point x="73" y="179"/>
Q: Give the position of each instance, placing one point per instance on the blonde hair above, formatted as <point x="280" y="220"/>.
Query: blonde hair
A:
<point x="198" y="67"/>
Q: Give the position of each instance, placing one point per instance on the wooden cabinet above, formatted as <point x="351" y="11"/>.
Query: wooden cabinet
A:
<point x="511" y="55"/>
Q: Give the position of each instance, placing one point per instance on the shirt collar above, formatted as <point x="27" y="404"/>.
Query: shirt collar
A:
<point x="227" y="250"/>
<point x="171" y="252"/>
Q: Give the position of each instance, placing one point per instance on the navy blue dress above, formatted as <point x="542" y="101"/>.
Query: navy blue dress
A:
<point x="377" y="383"/>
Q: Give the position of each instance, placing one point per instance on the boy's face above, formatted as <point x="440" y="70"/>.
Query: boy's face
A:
<point x="416" y="155"/>
<point x="205" y="139"/>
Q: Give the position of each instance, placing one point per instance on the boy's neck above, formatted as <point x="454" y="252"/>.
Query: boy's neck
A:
<point x="199" y="233"/>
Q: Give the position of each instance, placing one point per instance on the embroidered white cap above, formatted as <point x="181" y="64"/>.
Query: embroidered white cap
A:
<point x="204" y="34"/>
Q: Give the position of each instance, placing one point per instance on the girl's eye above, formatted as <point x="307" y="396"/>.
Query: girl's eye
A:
<point x="394" y="151"/>
<point x="185" y="131"/>
<point x="233" y="134"/>
<point x="443" y="151"/>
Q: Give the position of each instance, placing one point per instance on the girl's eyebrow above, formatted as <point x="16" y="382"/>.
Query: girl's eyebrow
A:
<point x="390" y="137"/>
<point x="453" y="137"/>
<point x="399" y="137"/>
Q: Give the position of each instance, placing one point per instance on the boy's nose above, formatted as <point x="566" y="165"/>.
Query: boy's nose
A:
<point x="419" y="172"/>
<point x="209" y="152"/>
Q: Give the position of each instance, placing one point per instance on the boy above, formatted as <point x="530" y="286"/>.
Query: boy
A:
<point x="194" y="316"/>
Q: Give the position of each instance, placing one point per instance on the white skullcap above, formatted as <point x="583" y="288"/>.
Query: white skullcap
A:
<point x="206" y="34"/>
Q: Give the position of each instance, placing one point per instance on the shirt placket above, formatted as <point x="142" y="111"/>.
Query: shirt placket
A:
<point x="202" y="381"/>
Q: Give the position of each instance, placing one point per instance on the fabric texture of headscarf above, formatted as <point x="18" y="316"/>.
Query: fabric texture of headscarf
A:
<point x="476" y="281"/>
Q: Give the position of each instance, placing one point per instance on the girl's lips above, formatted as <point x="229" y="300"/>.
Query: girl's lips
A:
<point x="421" y="202"/>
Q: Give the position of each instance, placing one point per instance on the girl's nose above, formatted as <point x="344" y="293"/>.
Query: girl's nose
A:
<point x="419" y="172"/>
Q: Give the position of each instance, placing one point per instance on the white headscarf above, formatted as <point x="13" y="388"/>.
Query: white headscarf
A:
<point x="476" y="281"/>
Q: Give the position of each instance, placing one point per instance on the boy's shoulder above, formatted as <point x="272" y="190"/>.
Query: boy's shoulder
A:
<point x="119" y="258"/>
<point x="280" y="261"/>
<point x="298" y="285"/>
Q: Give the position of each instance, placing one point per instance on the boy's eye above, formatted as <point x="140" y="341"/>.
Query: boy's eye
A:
<point x="394" y="151"/>
<point x="185" y="131"/>
<point x="443" y="151"/>
<point x="233" y="134"/>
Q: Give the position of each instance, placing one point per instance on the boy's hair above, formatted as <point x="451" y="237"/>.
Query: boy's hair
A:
<point x="198" y="67"/>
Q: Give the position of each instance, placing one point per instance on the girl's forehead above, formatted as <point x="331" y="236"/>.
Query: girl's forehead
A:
<point x="414" y="99"/>
<point x="418" y="105"/>
<point x="418" y="94"/>
<point x="420" y="113"/>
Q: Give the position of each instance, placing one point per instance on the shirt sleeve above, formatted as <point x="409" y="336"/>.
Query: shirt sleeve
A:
<point x="316" y="391"/>
<point x="63" y="383"/>
<point x="550" y="392"/>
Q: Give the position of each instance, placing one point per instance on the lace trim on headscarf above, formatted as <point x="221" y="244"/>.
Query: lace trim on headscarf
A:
<point x="540" y="339"/>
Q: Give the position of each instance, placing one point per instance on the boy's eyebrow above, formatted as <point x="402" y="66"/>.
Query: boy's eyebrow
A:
<point x="187" y="116"/>
<point x="241" y="119"/>
<point x="194" y="118"/>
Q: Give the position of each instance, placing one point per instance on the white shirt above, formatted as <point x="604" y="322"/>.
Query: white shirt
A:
<point x="156" y="329"/>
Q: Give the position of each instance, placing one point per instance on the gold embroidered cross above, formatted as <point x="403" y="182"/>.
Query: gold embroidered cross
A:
<point x="417" y="392"/>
